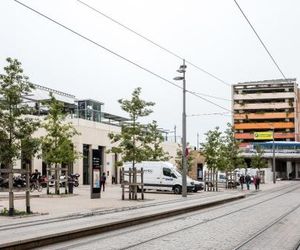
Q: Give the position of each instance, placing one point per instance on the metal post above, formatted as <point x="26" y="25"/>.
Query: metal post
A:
<point x="184" y="187"/>
<point x="274" y="162"/>
<point x="175" y="133"/>
<point x="11" y="194"/>
<point x="27" y="189"/>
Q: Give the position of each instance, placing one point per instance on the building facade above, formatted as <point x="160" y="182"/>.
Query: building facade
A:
<point x="268" y="106"/>
<point x="261" y="106"/>
<point x="94" y="125"/>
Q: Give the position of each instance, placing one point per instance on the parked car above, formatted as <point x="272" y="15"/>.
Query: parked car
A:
<point x="198" y="185"/>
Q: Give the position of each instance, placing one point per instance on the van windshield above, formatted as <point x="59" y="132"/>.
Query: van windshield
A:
<point x="176" y="172"/>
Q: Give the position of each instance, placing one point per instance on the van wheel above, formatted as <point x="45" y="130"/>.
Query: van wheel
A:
<point x="177" y="190"/>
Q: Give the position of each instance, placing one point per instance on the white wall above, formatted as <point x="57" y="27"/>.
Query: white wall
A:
<point x="96" y="134"/>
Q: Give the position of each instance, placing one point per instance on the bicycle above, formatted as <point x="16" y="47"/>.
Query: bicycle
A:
<point x="36" y="186"/>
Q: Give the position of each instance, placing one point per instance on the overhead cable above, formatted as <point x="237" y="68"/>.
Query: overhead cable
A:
<point x="210" y="114"/>
<point x="152" y="42"/>
<point x="116" y="54"/>
<point x="261" y="41"/>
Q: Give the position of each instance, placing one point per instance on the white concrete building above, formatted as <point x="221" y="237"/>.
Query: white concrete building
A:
<point x="94" y="125"/>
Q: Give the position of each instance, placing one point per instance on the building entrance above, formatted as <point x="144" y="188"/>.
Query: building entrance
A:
<point x="297" y="171"/>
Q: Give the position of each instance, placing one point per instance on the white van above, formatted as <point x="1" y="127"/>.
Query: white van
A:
<point x="160" y="175"/>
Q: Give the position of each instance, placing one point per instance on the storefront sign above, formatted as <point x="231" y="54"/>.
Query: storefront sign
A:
<point x="263" y="135"/>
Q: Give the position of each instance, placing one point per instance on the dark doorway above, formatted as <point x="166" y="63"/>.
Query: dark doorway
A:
<point x="86" y="164"/>
<point x="200" y="171"/>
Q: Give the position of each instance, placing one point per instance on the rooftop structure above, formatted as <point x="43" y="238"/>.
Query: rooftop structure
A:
<point x="86" y="109"/>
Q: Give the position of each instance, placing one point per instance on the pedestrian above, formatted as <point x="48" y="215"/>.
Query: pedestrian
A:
<point x="242" y="181"/>
<point x="248" y="181"/>
<point x="102" y="181"/>
<point x="257" y="182"/>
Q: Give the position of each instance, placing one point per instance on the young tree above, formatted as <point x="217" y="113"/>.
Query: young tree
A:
<point x="212" y="149"/>
<point x="231" y="150"/>
<point x="257" y="160"/>
<point x="152" y="143"/>
<point x="57" y="146"/>
<point x="131" y="140"/>
<point x="16" y="129"/>
<point x="189" y="159"/>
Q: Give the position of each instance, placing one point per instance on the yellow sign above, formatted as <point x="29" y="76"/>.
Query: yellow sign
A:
<point x="263" y="135"/>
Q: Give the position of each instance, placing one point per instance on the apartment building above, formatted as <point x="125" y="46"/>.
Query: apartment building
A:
<point x="271" y="105"/>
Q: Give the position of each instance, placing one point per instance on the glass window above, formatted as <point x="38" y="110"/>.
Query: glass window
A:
<point x="167" y="172"/>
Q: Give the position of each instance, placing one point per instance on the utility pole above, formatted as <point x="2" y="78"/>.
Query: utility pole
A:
<point x="184" y="151"/>
<point x="175" y="133"/>
<point x="197" y="141"/>
<point x="274" y="161"/>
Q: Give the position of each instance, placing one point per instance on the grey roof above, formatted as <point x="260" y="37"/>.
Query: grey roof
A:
<point x="114" y="117"/>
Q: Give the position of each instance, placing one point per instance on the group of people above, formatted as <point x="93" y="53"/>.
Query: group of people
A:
<point x="248" y="180"/>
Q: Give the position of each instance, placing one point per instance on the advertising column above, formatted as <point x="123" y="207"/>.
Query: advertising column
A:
<point x="96" y="174"/>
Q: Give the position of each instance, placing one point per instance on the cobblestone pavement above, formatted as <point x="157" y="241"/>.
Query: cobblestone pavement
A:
<point x="223" y="227"/>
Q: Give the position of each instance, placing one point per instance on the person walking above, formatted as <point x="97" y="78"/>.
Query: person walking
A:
<point x="254" y="181"/>
<point x="257" y="182"/>
<point x="102" y="181"/>
<point x="248" y="181"/>
<point x="242" y="181"/>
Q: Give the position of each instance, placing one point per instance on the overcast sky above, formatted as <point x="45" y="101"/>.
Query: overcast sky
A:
<point x="210" y="33"/>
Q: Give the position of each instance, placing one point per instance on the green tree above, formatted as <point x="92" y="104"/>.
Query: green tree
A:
<point x="189" y="159"/>
<point x="131" y="140"/>
<point x="152" y="143"/>
<point x="257" y="161"/>
<point x="57" y="146"/>
<point x="231" y="151"/>
<point x="213" y="150"/>
<point x="16" y="128"/>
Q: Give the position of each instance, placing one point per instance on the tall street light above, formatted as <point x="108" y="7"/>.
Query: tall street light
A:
<point x="274" y="160"/>
<point x="184" y="151"/>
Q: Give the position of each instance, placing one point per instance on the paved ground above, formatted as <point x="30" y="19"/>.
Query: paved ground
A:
<point x="78" y="212"/>
<point x="269" y="220"/>
<point x="110" y="199"/>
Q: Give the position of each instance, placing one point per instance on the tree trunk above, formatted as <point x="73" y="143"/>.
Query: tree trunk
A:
<point x="56" y="179"/>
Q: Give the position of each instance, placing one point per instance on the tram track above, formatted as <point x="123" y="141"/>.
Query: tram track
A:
<point x="116" y="210"/>
<point x="87" y="214"/>
<point x="264" y="229"/>
<point x="192" y="226"/>
<point x="297" y="246"/>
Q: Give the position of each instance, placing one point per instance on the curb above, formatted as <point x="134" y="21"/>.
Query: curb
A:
<point x="91" y="230"/>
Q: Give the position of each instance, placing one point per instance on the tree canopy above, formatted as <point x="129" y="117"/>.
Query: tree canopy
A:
<point x="257" y="160"/>
<point x="138" y="142"/>
<point x="222" y="151"/>
<point x="16" y="127"/>
<point x="57" y="146"/>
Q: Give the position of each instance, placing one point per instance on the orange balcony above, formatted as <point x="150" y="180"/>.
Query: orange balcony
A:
<point x="250" y="136"/>
<point x="264" y="125"/>
<point x="274" y="115"/>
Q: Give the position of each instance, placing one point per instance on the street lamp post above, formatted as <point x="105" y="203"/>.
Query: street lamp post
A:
<point x="274" y="161"/>
<point x="184" y="155"/>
